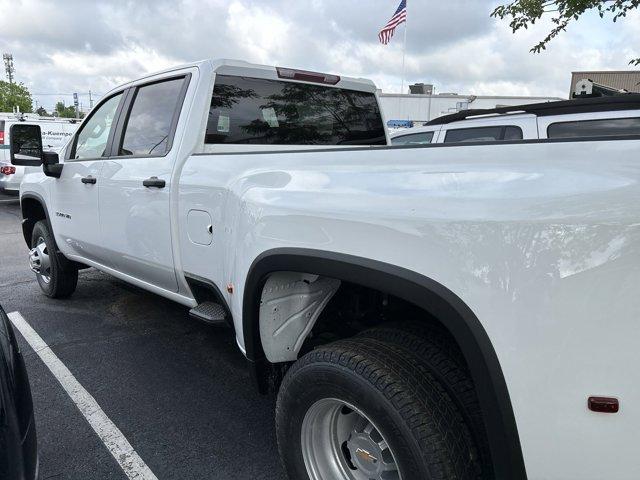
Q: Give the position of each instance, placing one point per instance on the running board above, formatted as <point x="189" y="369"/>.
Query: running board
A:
<point x="211" y="313"/>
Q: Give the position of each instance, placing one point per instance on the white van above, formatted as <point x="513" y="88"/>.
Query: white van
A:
<point x="589" y="117"/>
<point x="55" y="133"/>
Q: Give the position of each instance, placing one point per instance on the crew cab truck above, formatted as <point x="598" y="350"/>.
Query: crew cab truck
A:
<point x="434" y="312"/>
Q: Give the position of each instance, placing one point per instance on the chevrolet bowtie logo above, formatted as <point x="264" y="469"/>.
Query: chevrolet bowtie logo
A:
<point x="366" y="456"/>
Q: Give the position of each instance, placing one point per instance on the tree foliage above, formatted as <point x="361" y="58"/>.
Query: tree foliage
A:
<point x="66" y="112"/>
<point x="15" y="95"/>
<point x="523" y="13"/>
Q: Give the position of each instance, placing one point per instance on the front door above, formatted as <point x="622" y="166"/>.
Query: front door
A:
<point x="76" y="219"/>
<point x="135" y="185"/>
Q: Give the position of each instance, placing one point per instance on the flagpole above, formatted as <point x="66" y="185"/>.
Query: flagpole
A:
<point x="404" y="46"/>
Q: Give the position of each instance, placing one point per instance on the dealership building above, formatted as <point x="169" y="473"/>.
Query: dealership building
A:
<point x="420" y="107"/>
<point x="628" y="80"/>
<point x="423" y="104"/>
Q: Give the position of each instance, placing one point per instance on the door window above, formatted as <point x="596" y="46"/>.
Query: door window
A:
<point x="512" y="133"/>
<point x="148" y="129"/>
<point x="483" y="134"/>
<point x="594" y="128"/>
<point x="93" y="136"/>
<point x="413" y="139"/>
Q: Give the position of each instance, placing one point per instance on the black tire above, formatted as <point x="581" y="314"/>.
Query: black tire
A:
<point x="442" y="357"/>
<point x="407" y="405"/>
<point x="63" y="277"/>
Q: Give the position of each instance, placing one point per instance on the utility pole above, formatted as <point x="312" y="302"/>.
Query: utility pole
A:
<point x="76" y="105"/>
<point x="8" y="66"/>
<point x="90" y="101"/>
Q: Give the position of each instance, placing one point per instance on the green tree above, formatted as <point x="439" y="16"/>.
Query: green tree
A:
<point x="66" y="112"/>
<point x="523" y="13"/>
<point x="15" y="95"/>
<point x="42" y="112"/>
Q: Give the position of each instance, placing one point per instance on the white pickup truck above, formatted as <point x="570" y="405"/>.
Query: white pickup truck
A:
<point x="432" y="312"/>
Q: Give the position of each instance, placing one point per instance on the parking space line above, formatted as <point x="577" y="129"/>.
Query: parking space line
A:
<point x="130" y="462"/>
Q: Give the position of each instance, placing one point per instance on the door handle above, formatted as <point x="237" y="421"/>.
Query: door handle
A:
<point x="89" y="180"/>
<point x="154" y="182"/>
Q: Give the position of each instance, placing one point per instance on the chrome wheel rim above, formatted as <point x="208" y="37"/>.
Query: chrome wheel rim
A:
<point x="339" y="442"/>
<point x="39" y="260"/>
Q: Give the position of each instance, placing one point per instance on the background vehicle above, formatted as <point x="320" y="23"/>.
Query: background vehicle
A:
<point x="591" y="117"/>
<point x="55" y="133"/>
<point x="422" y="312"/>
<point x="18" y="449"/>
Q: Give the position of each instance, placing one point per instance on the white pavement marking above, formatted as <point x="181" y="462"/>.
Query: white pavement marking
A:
<point x="133" y="466"/>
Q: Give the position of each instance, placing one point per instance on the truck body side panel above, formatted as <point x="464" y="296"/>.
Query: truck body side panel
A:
<point x="540" y="240"/>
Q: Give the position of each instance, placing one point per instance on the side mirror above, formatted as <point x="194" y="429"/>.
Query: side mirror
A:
<point x="51" y="164"/>
<point x="26" y="145"/>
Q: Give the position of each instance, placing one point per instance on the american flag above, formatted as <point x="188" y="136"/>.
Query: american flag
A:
<point x="386" y="34"/>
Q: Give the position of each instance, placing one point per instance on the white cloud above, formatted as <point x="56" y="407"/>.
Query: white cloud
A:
<point x="80" y="44"/>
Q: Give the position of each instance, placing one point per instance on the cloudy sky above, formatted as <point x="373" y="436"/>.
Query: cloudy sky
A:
<point x="79" y="45"/>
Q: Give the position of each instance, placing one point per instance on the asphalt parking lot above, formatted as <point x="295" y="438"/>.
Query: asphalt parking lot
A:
<point x="177" y="389"/>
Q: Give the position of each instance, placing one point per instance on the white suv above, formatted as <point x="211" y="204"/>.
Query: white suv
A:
<point x="591" y="117"/>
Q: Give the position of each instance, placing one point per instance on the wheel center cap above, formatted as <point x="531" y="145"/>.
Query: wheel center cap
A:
<point x="365" y="453"/>
<point x="34" y="260"/>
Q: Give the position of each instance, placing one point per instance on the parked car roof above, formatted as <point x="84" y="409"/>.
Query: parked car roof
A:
<point x="564" y="107"/>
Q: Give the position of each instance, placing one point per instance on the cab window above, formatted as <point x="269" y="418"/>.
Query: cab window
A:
<point x="421" y="138"/>
<point x="483" y="134"/>
<point x="273" y="112"/>
<point x="148" y="127"/>
<point x="92" y="138"/>
<point x="594" y="128"/>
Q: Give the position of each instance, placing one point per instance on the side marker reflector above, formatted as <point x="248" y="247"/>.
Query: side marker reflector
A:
<point x="604" y="404"/>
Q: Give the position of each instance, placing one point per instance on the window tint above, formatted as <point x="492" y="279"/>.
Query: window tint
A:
<point x="414" y="139"/>
<point x="483" y="134"/>
<point x="271" y="112"/>
<point x="595" y="128"/>
<point x="512" y="133"/>
<point x="149" y="124"/>
<point x="94" y="134"/>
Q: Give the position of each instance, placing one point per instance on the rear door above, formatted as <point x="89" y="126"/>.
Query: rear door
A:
<point x="135" y="183"/>
<point x="75" y="216"/>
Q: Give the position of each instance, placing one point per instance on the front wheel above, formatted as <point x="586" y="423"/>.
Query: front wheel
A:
<point x="56" y="276"/>
<point x="362" y="409"/>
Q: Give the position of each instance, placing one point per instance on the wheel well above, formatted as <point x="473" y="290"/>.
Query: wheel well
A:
<point x="355" y="308"/>
<point x="373" y="292"/>
<point x="32" y="212"/>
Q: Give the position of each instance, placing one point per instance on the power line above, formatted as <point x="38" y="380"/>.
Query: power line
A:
<point x="89" y="93"/>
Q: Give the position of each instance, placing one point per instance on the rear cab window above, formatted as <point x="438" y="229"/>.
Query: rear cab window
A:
<point x="594" y="128"/>
<point x="274" y="112"/>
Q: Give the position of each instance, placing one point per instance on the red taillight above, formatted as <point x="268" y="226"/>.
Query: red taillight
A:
<point x="1" y="137"/>
<point x="7" y="170"/>
<point x="305" y="76"/>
